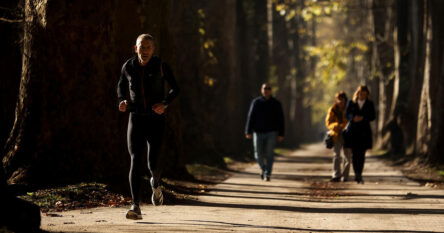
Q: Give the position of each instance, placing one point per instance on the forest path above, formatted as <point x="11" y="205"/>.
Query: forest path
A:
<point x="298" y="199"/>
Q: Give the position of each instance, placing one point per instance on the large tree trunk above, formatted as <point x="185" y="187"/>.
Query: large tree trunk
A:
<point x="400" y="83"/>
<point x="232" y="73"/>
<point x="20" y="144"/>
<point x="409" y="116"/>
<point x="10" y="67"/>
<point x="396" y="133"/>
<point x="430" y="125"/>
<point x="401" y="56"/>
<point x="227" y="105"/>
<point x="424" y="114"/>
<point x="436" y="86"/>
<point x="383" y="66"/>
<point x="16" y="214"/>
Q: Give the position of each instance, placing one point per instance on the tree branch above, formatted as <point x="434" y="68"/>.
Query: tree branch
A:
<point x="11" y="20"/>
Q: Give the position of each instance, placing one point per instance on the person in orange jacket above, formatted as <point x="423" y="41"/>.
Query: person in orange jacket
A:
<point x="336" y="121"/>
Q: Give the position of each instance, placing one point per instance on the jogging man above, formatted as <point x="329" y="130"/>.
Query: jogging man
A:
<point x="141" y="92"/>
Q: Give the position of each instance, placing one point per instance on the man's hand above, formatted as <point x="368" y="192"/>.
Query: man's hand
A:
<point x="123" y="105"/>
<point x="337" y="128"/>
<point x="248" y="136"/>
<point x="280" y="138"/>
<point x="358" y="118"/>
<point x="159" y="108"/>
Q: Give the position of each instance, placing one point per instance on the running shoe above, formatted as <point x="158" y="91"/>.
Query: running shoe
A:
<point x="157" y="196"/>
<point x="134" y="212"/>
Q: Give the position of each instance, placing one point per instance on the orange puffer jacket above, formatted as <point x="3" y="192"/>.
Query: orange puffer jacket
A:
<point x="334" y="122"/>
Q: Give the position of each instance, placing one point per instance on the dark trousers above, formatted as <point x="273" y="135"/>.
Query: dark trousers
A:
<point x="144" y="134"/>
<point x="358" y="162"/>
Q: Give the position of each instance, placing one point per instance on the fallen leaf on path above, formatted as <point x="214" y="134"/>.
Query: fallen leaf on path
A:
<point x="53" y="215"/>
<point x="431" y="185"/>
<point x="411" y="196"/>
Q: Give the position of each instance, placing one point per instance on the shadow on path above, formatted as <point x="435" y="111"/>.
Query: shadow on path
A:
<point x="311" y="200"/>
<point x="413" y="211"/>
<point x="305" y="178"/>
<point x="400" y="196"/>
<point x="223" y="226"/>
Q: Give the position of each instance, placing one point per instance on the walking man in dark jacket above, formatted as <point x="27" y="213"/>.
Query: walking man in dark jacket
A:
<point x="144" y="77"/>
<point x="265" y="124"/>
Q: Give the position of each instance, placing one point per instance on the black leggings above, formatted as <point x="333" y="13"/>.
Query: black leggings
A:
<point x="358" y="161"/>
<point x="144" y="132"/>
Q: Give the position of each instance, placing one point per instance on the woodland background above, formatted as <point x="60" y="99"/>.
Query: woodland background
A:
<point x="60" y="62"/>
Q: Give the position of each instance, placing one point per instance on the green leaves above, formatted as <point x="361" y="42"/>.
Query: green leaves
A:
<point x="311" y="9"/>
<point x="207" y="47"/>
<point x="332" y="59"/>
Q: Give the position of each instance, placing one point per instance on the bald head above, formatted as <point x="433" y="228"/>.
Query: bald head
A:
<point x="144" y="48"/>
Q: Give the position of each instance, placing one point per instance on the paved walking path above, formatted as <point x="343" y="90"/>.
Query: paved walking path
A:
<point x="298" y="199"/>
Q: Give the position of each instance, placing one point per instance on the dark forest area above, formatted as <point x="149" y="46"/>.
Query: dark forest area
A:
<point x="60" y="62"/>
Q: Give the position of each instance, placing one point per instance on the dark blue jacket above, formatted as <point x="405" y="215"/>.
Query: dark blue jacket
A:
<point x="265" y="115"/>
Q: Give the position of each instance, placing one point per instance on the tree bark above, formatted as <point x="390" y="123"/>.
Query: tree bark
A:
<point x="383" y="66"/>
<point x="428" y="125"/>
<point x="10" y="67"/>
<point x="436" y="86"/>
<point x="20" y="143"/>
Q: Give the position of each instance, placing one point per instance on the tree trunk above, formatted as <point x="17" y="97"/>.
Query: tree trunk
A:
<point x="303" y="69"/>
<point x="409" y="116"/>
<point x="436" y="86"/>
<point x="285" y="76"/>
<point x="401" y="82"/>
<point x="231" y="143"/>
<point x="20" y="143"/>
<point x="405" y="101"/>
<point x="424" y="113"/>
<point x="10" y="68"/>
<point x="383" y="52"/>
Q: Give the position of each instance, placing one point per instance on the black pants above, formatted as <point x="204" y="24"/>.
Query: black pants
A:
<point x="358" y="161"/>
<point x="144" y="132"/>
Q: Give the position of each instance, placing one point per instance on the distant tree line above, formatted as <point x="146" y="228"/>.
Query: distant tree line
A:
<point x="393" y="46"/>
